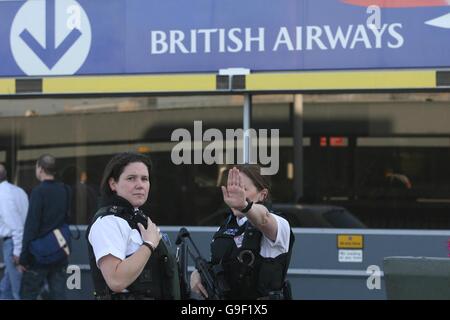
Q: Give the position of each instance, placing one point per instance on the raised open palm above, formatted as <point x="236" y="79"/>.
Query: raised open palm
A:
<point x="234" y="192"/>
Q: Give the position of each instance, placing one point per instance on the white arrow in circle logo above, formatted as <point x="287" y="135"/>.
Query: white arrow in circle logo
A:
<point x="50" y="37"/>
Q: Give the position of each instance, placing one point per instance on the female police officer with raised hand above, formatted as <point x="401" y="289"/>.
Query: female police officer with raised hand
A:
<point x="128" y="259"/>
<point x="253" y="245"/>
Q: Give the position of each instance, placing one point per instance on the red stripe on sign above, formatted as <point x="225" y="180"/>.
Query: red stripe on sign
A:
<point x="398" y="3"/>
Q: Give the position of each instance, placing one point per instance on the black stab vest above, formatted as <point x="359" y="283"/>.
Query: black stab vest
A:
<point x="159" y="279"/>
<point x="248" y="274"/>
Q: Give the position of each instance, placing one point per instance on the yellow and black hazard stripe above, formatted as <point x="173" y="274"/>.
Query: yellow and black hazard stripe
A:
<point x="7" y="86"/>
<point x="346" y="80"/>
<point x="179" y="83"/>
<point x="260" y="82"/>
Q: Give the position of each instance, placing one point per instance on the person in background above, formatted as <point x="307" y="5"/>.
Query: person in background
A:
<point x="49" y="209"/>
<point x="13" y="211"/>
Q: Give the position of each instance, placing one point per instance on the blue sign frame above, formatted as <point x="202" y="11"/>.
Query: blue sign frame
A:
<point x="106" y="37"/>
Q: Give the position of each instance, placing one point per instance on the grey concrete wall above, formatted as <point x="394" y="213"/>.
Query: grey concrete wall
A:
<point x="315" y="271"/>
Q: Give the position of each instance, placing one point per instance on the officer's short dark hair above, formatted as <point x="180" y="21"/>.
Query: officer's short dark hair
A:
<point x="117" y="164"/>
<point x="47" y="162"/>
<point x="3" y="173"/>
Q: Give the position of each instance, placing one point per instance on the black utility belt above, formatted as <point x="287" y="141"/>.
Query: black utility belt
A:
<point x="124" y="296"/>
<point x="273" y="295"/>
<point x="131" y="296"/>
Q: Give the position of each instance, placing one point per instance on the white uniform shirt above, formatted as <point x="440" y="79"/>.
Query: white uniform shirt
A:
<point x="269" y="248"/>
<point x="113" y="235"/>
<point x="13" y="212"/>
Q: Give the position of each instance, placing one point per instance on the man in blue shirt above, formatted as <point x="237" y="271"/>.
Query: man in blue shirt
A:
<point x="49" y="205"/>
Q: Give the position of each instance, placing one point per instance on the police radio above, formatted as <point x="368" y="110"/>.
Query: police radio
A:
<point x="139" y="217"/>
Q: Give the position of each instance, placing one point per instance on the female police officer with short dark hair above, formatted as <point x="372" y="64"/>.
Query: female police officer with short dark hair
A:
<point x="128" y="259"/>
<point x="252" y="248"/>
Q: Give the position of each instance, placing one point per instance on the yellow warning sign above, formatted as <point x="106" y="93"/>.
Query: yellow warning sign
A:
<point x="350" y="241"/>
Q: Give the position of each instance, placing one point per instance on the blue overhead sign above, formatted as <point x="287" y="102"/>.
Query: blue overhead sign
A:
<point x="96" y="37"/>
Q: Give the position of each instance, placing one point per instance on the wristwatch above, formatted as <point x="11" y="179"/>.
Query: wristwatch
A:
<point x="248" y="207"/>
<point x="149" y="245"/>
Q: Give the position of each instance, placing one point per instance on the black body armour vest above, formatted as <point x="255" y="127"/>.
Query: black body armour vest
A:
<point x="247" y="273"/>
<point x="159" y="279"/>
